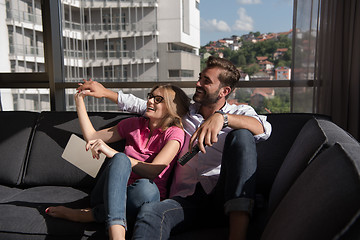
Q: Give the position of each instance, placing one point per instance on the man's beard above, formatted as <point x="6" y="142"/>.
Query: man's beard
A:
<point x="207" y="98"/>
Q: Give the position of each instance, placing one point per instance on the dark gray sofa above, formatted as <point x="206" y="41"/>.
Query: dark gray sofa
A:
<point x="308" y="179"/>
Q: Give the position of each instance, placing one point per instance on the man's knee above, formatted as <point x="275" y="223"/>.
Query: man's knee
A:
<point x="239" y="137"/>
<point x="240" y="150"/>
<point x="144" y="190"/>
<point x="159" y="211"/>
<point x="148" y="222"/>
<point x="147" y="209"/>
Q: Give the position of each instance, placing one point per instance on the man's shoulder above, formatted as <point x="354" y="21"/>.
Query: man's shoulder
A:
<point x="236" y="108"/>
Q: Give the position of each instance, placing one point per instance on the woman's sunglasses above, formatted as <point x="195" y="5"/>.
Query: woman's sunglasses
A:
<point x="157" y="99"/>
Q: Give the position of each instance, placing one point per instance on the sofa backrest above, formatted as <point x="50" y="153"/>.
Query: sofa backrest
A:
<point x="272" y="152"/>
<point x="314" y="137"/>
<point x="45" y="164"/>
<point x="16" y="134"/>
<point x="323" y="199"/>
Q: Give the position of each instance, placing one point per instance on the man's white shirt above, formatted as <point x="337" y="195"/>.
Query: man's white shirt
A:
<point x="203" y="168"/>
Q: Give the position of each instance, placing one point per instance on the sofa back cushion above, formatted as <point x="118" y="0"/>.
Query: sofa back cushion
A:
<point x="16" y="131"/>
<point x="314" y="137"/>
<point x="272" y="152"/>
<point x="323" y="199"/>
<point x="45" y="165"/>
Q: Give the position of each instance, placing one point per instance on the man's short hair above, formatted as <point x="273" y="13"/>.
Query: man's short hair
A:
<point x="230" y="76"/>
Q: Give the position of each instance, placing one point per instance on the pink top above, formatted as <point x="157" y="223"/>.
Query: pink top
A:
<point x="136" y="132"/>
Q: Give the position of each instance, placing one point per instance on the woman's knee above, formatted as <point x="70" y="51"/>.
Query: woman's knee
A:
<point x="120" y="160"/>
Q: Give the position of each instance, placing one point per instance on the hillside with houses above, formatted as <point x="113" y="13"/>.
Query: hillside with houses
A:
<point x="259" y="57"/>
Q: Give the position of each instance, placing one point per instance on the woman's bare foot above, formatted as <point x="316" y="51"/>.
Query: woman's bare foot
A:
<point x="75" y="215"/>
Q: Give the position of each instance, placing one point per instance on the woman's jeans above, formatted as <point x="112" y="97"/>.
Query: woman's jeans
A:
<point x="113" y="201"/>
<point x="235" y="191"/>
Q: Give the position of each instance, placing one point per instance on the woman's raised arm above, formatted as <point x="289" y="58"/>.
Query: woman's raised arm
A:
<point x="107" y="135"/>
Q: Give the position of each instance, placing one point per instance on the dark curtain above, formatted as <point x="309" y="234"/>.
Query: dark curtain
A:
<point x="337" y="89"/>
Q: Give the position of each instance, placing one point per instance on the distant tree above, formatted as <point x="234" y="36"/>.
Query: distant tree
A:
<point x="243" y="95"/>
<point x="281" y="63"/>
<point x="280" y="103"/>
<point x="234" y="59"/>
<point x="251" y="69"/>
<point x="202" y="64"/>
<point x="283" y="41"/>
<point x="241" y="60"/>
<point x="251" y="57"/>
<point x="227" y="53"/>
<point x="287" y="55"/>
<point x="202" y="50"/>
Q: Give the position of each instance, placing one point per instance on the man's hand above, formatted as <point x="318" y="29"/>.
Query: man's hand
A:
<point x="208" y="132"/>
<point x="96" y="90"/>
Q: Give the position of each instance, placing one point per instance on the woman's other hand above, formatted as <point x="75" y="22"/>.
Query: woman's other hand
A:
<point x="80" y="95"/>
<point x="98" y="146"/>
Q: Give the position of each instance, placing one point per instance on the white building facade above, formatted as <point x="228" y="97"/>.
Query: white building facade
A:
<point x="106" y="40"/>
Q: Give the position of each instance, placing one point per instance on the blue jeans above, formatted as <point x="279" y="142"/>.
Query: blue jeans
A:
<point x="235" y="191"/>
<point x="113" y="201"/>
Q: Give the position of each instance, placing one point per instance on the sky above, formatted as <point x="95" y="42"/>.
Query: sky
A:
<point x="222" y="19"/>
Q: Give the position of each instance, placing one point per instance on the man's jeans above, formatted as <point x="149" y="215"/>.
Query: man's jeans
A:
<point x="235" y="191"/>
<point x="113" y="201"/>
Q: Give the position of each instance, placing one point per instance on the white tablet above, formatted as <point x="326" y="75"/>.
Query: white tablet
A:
<point x="75" y="153"/>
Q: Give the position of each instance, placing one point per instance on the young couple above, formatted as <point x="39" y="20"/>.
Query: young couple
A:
<point x="217" y="182"/>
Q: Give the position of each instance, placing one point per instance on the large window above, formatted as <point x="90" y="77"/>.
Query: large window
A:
<point x="118" y="44"/>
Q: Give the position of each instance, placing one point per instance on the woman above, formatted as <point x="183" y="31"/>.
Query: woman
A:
<point x="140" y="174"/>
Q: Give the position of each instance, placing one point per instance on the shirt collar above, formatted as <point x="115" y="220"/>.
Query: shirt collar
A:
<point x="226" y="106"/>
<point x="194" y="108"/>
<point x="146" y="124"/>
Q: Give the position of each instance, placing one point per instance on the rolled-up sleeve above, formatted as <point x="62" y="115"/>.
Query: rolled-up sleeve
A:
<point x="131" y="103"/>
<point x="267" y="129"/>
<point x="249" y="111"/>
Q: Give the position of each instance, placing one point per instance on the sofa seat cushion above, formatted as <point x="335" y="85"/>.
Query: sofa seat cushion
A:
<point x="7" y="193"/>
<point x="324" y="198"/>
<point x="16" y="131"/>
<point x="24" y="214"/>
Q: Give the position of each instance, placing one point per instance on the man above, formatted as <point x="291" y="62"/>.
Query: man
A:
<point x="221" y="178"/>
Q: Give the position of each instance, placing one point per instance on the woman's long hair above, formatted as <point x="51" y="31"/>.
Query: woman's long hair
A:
<point x="177" y="104"/>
